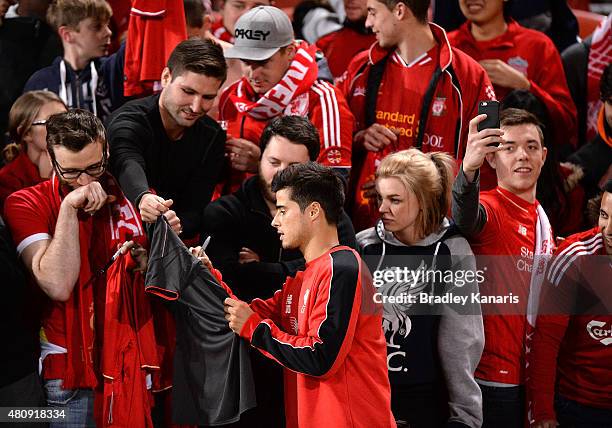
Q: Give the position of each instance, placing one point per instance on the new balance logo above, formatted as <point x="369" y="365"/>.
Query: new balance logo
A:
<point x="522" y="230"/>
<point x="242" y="33"/>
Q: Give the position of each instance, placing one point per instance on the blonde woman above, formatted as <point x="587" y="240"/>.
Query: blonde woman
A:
<point x="26" y="160"/>
<point x="414" y="253"/>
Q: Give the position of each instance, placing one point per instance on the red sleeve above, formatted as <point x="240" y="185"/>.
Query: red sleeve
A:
<point x="331" y="323"/>
<point x="331" y="116"/>
<point x="268" y="309"/>
<point x="550" y="86"/>
<point x="25" y="215"/>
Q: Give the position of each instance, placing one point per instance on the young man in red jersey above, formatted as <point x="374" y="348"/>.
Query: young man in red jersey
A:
<point x="322" y="326"/>
<point x="516" y="57"/>
<point x="411" y="89"/>
<point x="509" y="228"/>
<point x="569" y="370"/>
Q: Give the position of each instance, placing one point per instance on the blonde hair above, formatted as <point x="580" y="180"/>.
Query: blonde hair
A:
<point x="70" y="13"/>
<point x="22" y="114"/>
<point x="429" y="176"/>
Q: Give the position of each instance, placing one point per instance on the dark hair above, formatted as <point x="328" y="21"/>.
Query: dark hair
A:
<point x="525" y="100"/>
<point x="311" y="182"/>
<point x="296" y="129"/>
<point x="194" y="13"/>
<point x="593" y="206"/>
<point x="518" y="116"/>
<point x="74" y="130"/>
<point x="198" y="56"/>
<point x="605" y="85"/>
<point x="419" y="8"/>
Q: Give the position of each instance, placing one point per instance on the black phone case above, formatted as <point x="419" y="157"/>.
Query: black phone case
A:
<point x="491" y="109"/>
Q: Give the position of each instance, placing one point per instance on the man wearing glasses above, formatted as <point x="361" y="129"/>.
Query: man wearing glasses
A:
<point x="66" y="230"/>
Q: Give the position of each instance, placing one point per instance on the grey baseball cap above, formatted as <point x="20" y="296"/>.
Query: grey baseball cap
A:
<point x="260" y="33"/>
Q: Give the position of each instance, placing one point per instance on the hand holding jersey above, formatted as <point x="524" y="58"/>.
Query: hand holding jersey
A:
<point x="237" y="313"/>
<point x="152" y="206"/>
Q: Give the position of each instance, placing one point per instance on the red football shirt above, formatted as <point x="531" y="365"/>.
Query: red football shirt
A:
<point x="572" y="343"/>
<point x="505" y="248"/>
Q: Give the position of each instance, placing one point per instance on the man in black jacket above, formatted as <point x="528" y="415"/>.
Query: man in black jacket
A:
<point x="165" y="151"/>
<point x="246" y="248"/>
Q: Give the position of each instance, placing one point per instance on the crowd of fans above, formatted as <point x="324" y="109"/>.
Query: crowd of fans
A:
<point x="405" y="264"/>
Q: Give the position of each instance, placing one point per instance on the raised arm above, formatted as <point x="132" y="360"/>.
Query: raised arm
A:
<point x="469" y="215"/>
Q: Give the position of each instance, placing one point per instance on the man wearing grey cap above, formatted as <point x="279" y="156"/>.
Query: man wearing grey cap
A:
<point x="280" y="80"/>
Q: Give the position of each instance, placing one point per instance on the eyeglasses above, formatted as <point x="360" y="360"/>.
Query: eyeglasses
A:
<point x="95" y="170"/>
<point x="39" y="122"/>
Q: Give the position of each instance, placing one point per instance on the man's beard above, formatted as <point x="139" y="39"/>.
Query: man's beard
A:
<point x="265" y="190"/>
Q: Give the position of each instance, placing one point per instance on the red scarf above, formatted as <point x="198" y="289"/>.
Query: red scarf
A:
<point x="297" y="80"/>
<point x="99" y="236"/>
<point x="600" y="56"/>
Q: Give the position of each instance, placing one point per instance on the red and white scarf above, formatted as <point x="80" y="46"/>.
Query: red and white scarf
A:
<point x="115" y="223"/>
<point x="297" y="80"/>
<point x="544" y="246"/>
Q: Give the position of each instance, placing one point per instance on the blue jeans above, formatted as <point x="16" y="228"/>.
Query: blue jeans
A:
<point x="503" y="407"/>
<point x="571" y="414"/>
<point x="79" y="404"/>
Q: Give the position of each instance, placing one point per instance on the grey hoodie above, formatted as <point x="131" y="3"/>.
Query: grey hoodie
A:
<point x="455" y="332"/>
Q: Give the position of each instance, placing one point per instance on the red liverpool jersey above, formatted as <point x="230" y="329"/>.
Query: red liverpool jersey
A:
<point x="454" y="103"/>
<point x="508" y="241"/>
<point x="571" y="348"/>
